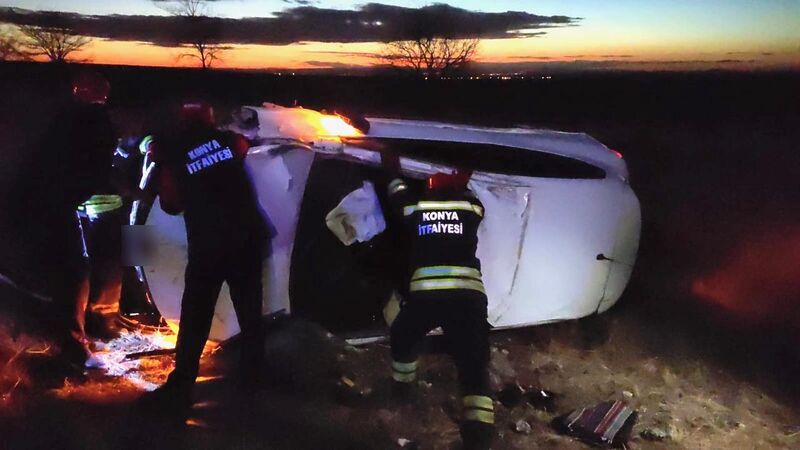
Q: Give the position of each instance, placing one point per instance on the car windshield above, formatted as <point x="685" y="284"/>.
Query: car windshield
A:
<point x="486" y="157"/>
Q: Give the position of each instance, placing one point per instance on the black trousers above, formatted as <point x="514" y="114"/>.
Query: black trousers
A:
<point x="62" y="252"/>
<point x="238" y="264"/>
<point x="462" y="316"/>
<point x="102" y="235"/>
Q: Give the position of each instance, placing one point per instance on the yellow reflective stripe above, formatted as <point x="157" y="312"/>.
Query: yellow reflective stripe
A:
<point x="448" y="206"/>
<point x="479" y="415"/>
<point x="404" y="367"/>
<point x="102" y="198"/>
<point x="404" y="377"/>
<point x="444" y="271"/>
<point x="478" y="401"/>
<point x="102" y="203"/>
<point x="396" y="186"/>
<point x="446" y="283"/>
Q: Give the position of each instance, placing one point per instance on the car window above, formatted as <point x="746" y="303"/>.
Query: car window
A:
<point x="487" y="158"/>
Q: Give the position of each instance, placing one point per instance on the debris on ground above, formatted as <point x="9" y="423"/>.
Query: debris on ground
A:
<point x="655" y="434"/>
<point x="681" y="403"/>
<point x="522" y="426"/>
<point x="607" y="424"/>
<point x="511" y="395"/>
<point x="407" y="444"/>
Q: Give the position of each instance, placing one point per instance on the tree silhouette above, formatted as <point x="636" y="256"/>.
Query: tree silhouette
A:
<point x="53" y="42"/>
<point x="199" y="34"/>
<point x="430" y="56"/>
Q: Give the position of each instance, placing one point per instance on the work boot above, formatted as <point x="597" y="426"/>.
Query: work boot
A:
<point x="75" y="351"/>
<point x="172" y="401"/>
<point x="476" y="435"/>
<point x="104" y="327"/>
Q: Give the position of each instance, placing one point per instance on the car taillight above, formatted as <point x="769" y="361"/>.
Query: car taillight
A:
<point x="618" y="154"/>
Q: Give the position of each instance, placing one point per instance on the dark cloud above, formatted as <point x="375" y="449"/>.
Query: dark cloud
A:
<point x="369" y="23"/>
<point x="531" y="58"/>
<point x="301" y="2"/>
<point x="345" y="53"/>
<point x="735" y="61"/>
<point x="332" y="65"/>
<point x="581" y="65"/>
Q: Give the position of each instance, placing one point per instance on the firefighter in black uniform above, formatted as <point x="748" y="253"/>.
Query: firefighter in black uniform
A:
<point x="70" y="163"/>
<point x="201" y="172"/>
<point x="445" y="290"/>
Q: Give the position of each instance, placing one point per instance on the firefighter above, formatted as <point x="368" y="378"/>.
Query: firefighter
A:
<point x="445" y="290"/>
<point x="66" y="168"/>
<point x="102" y="219"/>
<point x="201" y="172"/>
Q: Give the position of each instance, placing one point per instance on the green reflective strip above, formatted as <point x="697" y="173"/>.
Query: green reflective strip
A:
<point x="479" y="415"/>
<point x="448" y="206"/>
<point x="404" y="367"/>
<point x="446" y="283"/>
<point x="396" y="186"/>
<point x="404" y="377"/>
<point x="145" y="144"/>
<point x="445" y="271"/>
<point x="98" y="204"/>
<point x="478" y="401"/>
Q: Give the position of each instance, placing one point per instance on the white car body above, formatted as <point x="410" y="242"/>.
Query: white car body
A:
<point x="550" y="248"/>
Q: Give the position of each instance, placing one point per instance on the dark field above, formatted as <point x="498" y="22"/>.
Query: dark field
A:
<point x="714" y="158"/>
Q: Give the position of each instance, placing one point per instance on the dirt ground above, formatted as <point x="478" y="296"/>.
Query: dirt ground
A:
<point x="323" y="393"/>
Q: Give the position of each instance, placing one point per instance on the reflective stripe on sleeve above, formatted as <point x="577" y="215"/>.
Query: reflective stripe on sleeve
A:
<point x="446" y="283"/>
<point x="144" y="146"/>
<point x="447" y="206"/>
<point x="446" y="271"/>
<point x="98" y="204"/>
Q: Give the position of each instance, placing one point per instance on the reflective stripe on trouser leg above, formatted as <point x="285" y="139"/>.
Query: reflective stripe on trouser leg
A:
<point x="404" y="372"/>
<point x="478" y="408"/>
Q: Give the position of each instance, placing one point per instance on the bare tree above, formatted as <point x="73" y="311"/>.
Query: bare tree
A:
<point x="206" y="53"/>
<point x="187" y="8"/>
<point x="11" y="46"/>
<point x="201" y="37"/>
<point x="430" y="56"/>
<point x="55" y="43"/>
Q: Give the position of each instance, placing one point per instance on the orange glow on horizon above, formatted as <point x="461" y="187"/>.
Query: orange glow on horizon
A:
<point x="559" y="46"/>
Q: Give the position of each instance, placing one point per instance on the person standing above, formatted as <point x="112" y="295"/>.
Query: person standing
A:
<point x="201" y="173"/>
<point x="445" y="290"/>
<point x="66" y="167"/>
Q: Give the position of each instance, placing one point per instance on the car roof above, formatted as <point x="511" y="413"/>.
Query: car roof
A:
<point x="579" y="146"/>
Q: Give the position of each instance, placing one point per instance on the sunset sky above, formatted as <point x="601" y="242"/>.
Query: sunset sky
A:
<point x="555" y="34"/>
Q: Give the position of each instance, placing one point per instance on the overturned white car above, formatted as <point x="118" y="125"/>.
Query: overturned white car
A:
<point x="558" y="241"/>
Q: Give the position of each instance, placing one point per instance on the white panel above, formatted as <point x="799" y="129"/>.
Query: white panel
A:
<point x="280" y="183"/>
